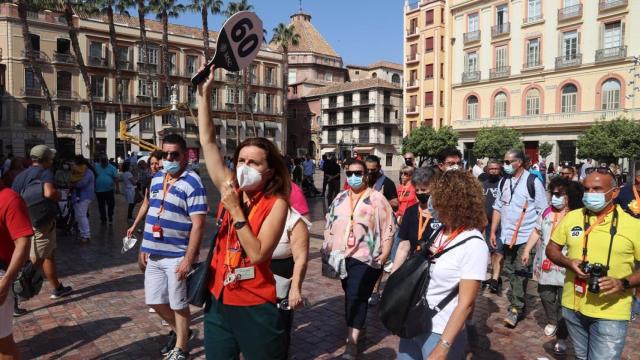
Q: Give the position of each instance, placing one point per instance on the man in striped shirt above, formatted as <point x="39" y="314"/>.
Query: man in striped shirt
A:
<point x="172" y="236"/>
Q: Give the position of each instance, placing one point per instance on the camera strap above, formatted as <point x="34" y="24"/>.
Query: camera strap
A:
<point x="613" y="229"/>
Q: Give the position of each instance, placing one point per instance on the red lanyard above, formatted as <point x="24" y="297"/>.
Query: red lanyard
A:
<point x="165" y="191"/>
<point x="233" y="254"/>
<point x="422" y="223"/>
<point x="355" y="206"/>
<point x="451" y="237"/>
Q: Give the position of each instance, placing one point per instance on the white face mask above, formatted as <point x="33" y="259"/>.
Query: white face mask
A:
<point x="128" y="243"/>
<point x="249" y="179"/>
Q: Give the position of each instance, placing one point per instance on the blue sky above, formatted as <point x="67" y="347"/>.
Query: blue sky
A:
<point x="361" y="31"/>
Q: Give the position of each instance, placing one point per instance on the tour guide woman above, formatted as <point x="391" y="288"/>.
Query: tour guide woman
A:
<point x="360" y="223"/>
<point x="459" y="204"/>
<point x="241" y="315"/>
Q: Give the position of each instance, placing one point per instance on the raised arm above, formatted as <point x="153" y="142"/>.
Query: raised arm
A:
<point x="216" y="168"/>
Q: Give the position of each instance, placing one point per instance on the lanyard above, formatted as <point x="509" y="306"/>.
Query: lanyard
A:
<point x="423" y="221"/>
<point x="355" y="206"/>
<point x="513" y="187"/>
<point x="588" y="228"/>
<point x="165" y="191"/>
<point x="451" y="237"/>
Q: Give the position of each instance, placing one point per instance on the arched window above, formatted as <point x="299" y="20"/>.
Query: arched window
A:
<point x="374" y="75"/>
<point x="395" y="78"/>
<point x="611" y="94"/>
<point x="472" y="107"/>
<point x="569" y="100"/>
<point x="533" y="102"/>
<point x="500" y="105"/>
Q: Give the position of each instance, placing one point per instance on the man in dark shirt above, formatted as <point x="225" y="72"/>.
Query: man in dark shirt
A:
<point x="381" y="183"/>
<point x="628" y="199"/>
<point x="491" y="191"/>
<point x="332" y="175"/>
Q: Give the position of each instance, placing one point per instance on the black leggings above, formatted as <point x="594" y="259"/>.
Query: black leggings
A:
<point x="106" y="202"/>
<point x="284" y="268"/>
<point x="130" y="211"/>
<point x="358" y="287"/>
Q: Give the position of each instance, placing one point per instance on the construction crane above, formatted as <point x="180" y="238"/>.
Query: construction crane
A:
<point x="127" y="125"/>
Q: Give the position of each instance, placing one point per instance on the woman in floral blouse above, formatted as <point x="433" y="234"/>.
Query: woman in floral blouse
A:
<point x="360" y="223"/>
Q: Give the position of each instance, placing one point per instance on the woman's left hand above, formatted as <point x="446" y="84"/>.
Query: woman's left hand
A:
<point x="295" y="299"/>
<point x="438" y="353"/>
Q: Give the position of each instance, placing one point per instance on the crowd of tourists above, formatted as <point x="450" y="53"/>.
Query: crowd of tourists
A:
<point x="575" y="232"/>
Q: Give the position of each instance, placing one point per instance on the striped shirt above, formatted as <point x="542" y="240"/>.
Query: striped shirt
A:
<point x="185" y="198"/>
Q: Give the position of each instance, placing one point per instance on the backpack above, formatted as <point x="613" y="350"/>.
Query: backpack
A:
<point x="29" y="281"/>
<point x="531" y="184"/>
<point x="41" y="210"/>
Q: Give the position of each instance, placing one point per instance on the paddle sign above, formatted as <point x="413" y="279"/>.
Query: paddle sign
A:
<point x="238" y="44"/>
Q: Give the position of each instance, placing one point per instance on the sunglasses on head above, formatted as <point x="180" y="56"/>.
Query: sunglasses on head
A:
<point x="173" y="154"/>
<point x="356" y="173"/>
<point x="600" y="170"/>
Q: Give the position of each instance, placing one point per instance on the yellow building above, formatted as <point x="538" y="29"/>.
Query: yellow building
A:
<point x="547" y="68"/>
<point x="426" y="47"/>
<point x="25" y="119"/>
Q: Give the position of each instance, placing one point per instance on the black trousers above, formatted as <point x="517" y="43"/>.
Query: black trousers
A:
<point x="106" y="203"/>
<point x="284" y="268"/>
<point x="358" y="287"/>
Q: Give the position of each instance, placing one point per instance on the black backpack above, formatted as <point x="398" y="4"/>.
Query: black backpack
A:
<point x="531" y="184"/>
<point x="41" y="210"/>
<point x="28" y="283"/>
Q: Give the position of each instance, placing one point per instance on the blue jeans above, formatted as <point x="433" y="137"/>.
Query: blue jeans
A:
<point x="421" y="346"/>
<point x="394" y="247"/>
<point x="595" y="339"/>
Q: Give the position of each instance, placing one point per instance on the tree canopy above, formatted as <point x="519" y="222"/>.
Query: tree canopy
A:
<point x="610" y="140"/>
<point x="545" y="149"/>
<point x="495" y="141"/>
<point x="425" y="141"/>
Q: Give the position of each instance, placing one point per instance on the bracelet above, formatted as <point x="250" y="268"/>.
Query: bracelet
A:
<point x="445" y="344"/>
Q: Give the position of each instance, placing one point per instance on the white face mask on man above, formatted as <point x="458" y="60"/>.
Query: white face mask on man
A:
<point x="249" y="179"/>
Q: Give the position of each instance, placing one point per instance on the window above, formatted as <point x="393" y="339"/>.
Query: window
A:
<point x="332" y="136"/>
<point x="63" y="46"/>
<point x="395" y="78"/>
<point x="214" y="99"/>
<point x="429" y="17"/>
<point x="442" y="17"/>
<point x="364" y="115"/>
<point x="270" y="132"/>
<point x="441" y="70"/>
<point x="612" y="35"/>
<point x="441" y="42"/>
<point x="328" y="76"/>
<point x="363" y="135"/>
<point x="64" y="116"/>
<point x="428" y="44"/>
<point x="500" y="105"/>
<point x="611" y="95"/>
<point x="568" y="3"/>
<point x="100" y="119"/>
<point x="63" y="81"/>
<point x="502" y="14"/>
<point x="234" y="96"/>
<point x="413" y="101"/>
<point x="374" y="75"/>
<point x="153" y="56"/>
<point x="30" y="80"/>
<point x="428" y="98"/>
<point x="389" y="159"/>
<point x="33" y="115"/>
<point x="145" y="90"/>
<point x="413" y="26"/>
<point x="569" y="101"/>
<point x="347" y="117"/>
<point x="35" y="42"/>
<point x="533" y="52"/>
<point x="472" y="62"/>
<point x="387" y="115"/>
<point x="387" y="135"/>
<point x="269" y="76"/>
<point x="123" y="54"/>
<point x="428" y="71"/>
<point x="501" y="57"/>
<point x="533" y="102"/>
<point x="570" y="45"/>
<point x="192" y="64"/>
<point x="97" y="86"/>
<point x="472" y="22"/>
<point x="333" y="118"/>
<point x="95" y="50"/>
<point x="441" y="98"/>
<point x="172" y="63"/>
<point x="292" y="76"/>
<point x="414" y="51"/>
<point x="534" y="10"/>
<point x="269" y="103"/>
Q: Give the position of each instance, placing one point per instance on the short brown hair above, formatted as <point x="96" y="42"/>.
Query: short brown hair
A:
<point x="280" y="183"/>
<point x="458" y="199"/>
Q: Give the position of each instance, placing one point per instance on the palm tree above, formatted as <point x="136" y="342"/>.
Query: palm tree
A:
<point x="285" y="36"/>
<point x="203" y="6"/>
<point x="142" y="11"/>
<point x="23" y="6"/>
<point x="237" y="6"/>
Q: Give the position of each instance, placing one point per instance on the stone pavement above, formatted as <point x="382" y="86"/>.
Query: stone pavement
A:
<point x="105" y="317"/>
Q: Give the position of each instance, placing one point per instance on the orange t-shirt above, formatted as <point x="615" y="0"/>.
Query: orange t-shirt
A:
<point x="262" y="288"/>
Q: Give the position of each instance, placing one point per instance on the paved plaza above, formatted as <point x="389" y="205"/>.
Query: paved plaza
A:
<point x="106" y="318"/>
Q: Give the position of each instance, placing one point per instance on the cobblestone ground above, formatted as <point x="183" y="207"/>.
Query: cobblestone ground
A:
<point x="105" y="317"/>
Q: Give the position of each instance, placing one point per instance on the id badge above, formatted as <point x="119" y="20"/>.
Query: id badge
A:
<point x="157" y="231"/>
<point x="580" y="285"/>
<point x="351" y="241"/>
<point x="546" y="265"/>
<point x="246" y="273"/>
<point x="232" y="259"/>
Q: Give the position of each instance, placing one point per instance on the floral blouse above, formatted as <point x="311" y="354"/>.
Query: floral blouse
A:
<point x="373" y="225"/>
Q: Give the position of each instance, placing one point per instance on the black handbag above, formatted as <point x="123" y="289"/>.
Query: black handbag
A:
<point x="403" y="307"/>
<point x="199" y="278"/>
<point x="29" y="281"/>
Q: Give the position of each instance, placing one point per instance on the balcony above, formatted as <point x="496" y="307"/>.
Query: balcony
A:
<point x="412" y="109"/>
<point x="37" y="55"/>
<point x="568" y="61"/>
<point x="98" y="61"/>
<point x="412" y="32"/>
<point x="66" y="125"/>
<point x="31" y="92"/>
<point x="470" y="76"/>
<point x="66" y="95"/>
<point x="570" y="12"/>
<point x="500" y="72"/>
<point x="614" y="53"/>
<point x="532" y="19"/>
<point x="412" y="57"/>
<point x="63" y="58"/>
<point x="150" y="68"/>
<point x="500" y="29"/>
<point x="531" y="64"/>
<point x="36" y="123"/>
<point x="471" y="36"/>
<point x="270" y="83"/>
<point x="605" y="5"/>
<point x="125" y="65"/>
<point x="335" y="104"/>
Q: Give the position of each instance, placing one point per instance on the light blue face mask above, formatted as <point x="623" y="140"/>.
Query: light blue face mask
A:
<point x="595" y="201"/>
<point x="557" y="202"/>
<point x="355" y="181"/>
<point x="508" y="169"/>
<point x="171" y="167"/>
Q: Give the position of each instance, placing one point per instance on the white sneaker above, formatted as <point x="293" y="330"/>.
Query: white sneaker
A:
<point x="560" y="347"/>
<point x="152" y="310"/>
<point x="388" y="267"/>
<point x="550" y="329"/>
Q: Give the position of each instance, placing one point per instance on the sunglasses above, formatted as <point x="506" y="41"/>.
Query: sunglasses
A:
<point x="453" y="163"/>
<point x="409" y="158"/>
<point x="406" y="173"/>
<point x="173" y="154"/>
<point x="600" y="170"/>
<point x="565" y="173"/>
<point x="508" y="162"/>
<point x="356" y="173"/>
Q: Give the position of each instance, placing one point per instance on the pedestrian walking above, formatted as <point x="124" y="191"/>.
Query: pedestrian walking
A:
<point x="15" y="168"/>
<point x="15" y="234"/>
<point x="106" y="177"/>
<point x="360" y="222"/>
<point x="332" y="172"/>
<point x="241" y="316"/>
<point x="172" y="235"/>
<point x="43" y="242"/>
<point x="522" y="199"/>
<point x="491" y="193"/>
<point x="155" y="159"/>
<point x="602" y="248"/>
<point x="83" y="192"/>
<point x="129" y="187"/>
<point x="566" y="196"/>
<point x="457" y="199"/>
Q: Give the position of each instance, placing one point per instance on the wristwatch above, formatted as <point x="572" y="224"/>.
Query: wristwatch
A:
<point x="625" y="284"/>
<point x="239" y="224"/>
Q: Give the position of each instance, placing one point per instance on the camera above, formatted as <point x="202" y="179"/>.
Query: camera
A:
<point x="595" y="272"/>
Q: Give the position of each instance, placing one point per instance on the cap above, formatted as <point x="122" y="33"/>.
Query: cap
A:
<point x="39" y="151"/>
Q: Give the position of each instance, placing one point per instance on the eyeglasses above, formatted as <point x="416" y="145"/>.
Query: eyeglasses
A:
<point x="453" y="163"/>
<point x="173" y="154"/>
<point x="356" y="173"/>
<point x="600" y="170"/>
<point x="565" y="173"/>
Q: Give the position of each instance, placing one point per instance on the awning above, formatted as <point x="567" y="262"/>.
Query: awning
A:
<point x="327" y="150"/>
<point x="363" y="148"/>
